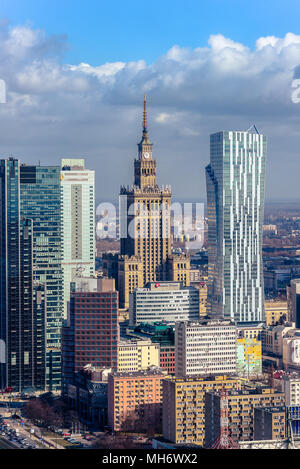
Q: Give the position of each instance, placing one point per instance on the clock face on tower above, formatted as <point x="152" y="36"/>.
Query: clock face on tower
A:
<point x="146" y="155"/>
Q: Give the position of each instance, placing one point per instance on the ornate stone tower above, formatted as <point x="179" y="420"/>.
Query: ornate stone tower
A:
<point x="146" y="224"/>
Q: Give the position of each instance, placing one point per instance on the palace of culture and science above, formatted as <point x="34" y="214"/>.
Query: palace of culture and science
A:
<point x="145" y="227"/>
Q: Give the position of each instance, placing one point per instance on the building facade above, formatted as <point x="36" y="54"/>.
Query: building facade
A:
<point x="135" y="401"/>
<point x="269" y="423"/>
<point x="184" y="406"/>
<point x="22" y="301"/>
<point x="163" y="301"/>
<point x="249" y="357"/>
<point x="240" y="410"/>
<point x="205" y="347"/>
<point x="235" y="199"/>
<point x="137" y="355"/>
<point x="91" y="333"/>
<point x="40" y="201"/>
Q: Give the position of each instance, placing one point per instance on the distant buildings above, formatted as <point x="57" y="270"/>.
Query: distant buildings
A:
<point x="160" y="333"/>
<point x="205" y="347"/>
<point x="164" y="301"/>
<point x="235" y="199"/>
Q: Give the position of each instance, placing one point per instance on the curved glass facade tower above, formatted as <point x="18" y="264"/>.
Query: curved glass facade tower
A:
<point x="235" y="181"/>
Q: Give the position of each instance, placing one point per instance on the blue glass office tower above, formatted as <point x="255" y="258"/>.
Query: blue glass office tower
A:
<point x="235" y="181"/>
<point x="40" y="201"/>
<point x="22" y="314"/>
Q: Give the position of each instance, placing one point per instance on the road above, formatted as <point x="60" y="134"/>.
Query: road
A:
<point x="6" y="444"/>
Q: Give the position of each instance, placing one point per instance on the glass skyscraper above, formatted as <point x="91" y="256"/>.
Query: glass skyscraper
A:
<point x="40" y="201"/>
<point x="235" y="181"/>
<point x="22" y="306"/>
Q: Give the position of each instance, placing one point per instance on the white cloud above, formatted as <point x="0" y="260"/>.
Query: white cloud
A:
<point x="55" y="109"/>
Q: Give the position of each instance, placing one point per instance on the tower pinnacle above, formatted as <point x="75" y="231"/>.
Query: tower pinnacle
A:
<point x="145" y="114"/>
<point x="145" y="138"/>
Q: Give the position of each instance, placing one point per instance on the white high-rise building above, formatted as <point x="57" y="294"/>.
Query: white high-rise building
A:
<point x="163" y="301"/>
<point x="235" y="204"/>
<point x="78" y="223"/>
<point x="205" y="347"/>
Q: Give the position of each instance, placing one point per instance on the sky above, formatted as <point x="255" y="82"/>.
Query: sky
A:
<point x="76" y="73"/>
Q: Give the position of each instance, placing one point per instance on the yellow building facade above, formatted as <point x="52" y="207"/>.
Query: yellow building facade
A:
<point x="137" y="355"/>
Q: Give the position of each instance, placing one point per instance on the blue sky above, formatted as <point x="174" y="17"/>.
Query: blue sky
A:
<point x="76" y="72"/>
<point x="100" y="31"/>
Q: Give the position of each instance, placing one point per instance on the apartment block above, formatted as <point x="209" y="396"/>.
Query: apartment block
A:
<point x="184" y="406"/>
<point x="135" y="400"/>
<point x="240" y="404"/>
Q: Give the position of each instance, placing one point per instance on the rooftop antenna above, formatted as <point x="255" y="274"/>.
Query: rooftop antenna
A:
<point x="253" y="126"/>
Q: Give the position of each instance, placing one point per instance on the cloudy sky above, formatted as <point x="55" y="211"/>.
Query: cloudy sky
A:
<point x="75" y="86"/>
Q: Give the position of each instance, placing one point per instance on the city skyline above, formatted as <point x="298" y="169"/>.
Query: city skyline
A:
<point x="149" y="229"/>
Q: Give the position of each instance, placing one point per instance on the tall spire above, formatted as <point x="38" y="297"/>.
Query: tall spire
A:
<point x="145" y="138"/>
<point x="145" y="114"/>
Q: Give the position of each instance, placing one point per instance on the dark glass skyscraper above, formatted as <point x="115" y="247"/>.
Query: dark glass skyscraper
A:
<point x="235" y="203"/>
<point x="40" y="201"/>
<point x="19" y="314"/>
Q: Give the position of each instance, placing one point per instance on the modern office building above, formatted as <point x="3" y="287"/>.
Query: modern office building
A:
<point x="184" y="406"/>
<point x="78" y="223"/>
<point x="22" y="301"/>
<point x="235" y="203"/>
<point x="135" y="401"/>
<point x="91" y="333"/>
<point x="205" y="348"/>
<point x="164" y="301"/>
<point x="40" y="201"/>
